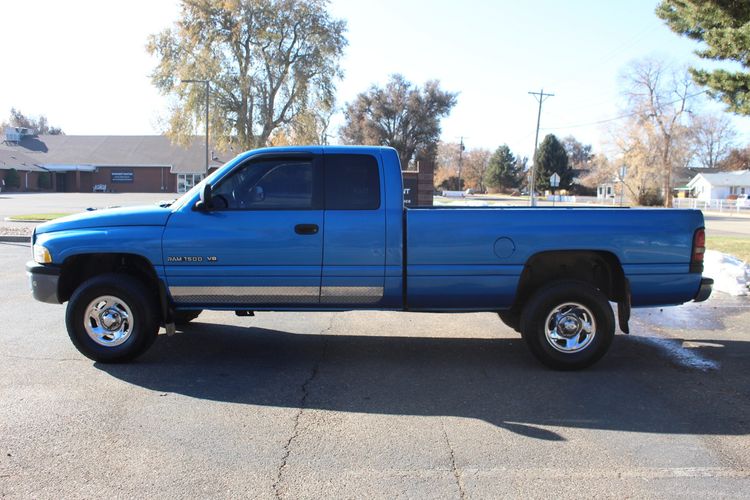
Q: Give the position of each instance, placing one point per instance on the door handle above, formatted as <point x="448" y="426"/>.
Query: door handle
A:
<point x="306" y="229"/>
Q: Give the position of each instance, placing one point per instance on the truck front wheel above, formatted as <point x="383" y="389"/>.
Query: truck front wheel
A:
<point x="568" y="325"/>
<point x="112" y="318"/>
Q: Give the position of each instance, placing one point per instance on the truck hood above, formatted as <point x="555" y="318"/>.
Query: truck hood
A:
<point x="149" y="215"/>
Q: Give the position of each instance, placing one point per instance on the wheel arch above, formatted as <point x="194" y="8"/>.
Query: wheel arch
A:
<point x="602" y="269"/>
<point x="78" y="268"/>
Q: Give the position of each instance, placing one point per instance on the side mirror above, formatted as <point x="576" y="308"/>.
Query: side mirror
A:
<point x="205" y="201"/>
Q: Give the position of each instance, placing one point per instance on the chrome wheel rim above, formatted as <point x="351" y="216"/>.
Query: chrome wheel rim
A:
<point x="108" y="321"/>
<point x="570" y="327"/>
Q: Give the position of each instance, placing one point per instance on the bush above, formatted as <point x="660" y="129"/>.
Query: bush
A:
<point x="12" y="179"/>
<point x="44" y="181"/>
<point x="451" y="184"/>
<point x="650" y="198"/>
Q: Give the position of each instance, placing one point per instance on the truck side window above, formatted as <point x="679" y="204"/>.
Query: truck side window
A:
<point x="269" y="185"/>
<point x="352" y="182"/>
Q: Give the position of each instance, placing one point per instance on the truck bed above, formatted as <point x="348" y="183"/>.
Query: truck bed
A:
<point x="472" y="258"/>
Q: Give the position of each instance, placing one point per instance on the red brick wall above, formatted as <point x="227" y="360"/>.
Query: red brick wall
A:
<point x="145" y="180"/>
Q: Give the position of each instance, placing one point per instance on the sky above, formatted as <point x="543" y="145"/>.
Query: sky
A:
<point x="83" y="63"/>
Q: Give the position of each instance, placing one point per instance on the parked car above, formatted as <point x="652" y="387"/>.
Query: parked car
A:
<point x="324" y="228"/>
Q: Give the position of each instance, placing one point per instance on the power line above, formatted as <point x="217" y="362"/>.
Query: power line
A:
<point x="540" y="97"/>
<point x="620" y="117"/>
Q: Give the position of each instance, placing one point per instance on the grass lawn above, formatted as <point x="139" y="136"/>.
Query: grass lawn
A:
<point x="36" y="217"/>
<point x="739" y="247"/>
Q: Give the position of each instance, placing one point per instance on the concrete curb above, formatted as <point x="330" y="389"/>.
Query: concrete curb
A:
<point x="14" y="239"/>
<point x="35" y="221"/>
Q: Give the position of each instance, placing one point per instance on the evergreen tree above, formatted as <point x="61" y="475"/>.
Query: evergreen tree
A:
<point x="722" y="27"/>
<point x="551" y="158"/>
<point x="502" y="169"/>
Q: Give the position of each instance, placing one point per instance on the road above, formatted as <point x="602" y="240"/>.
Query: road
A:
<point x="372" y="404"/>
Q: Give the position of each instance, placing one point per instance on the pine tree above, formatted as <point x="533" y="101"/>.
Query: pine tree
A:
<point x="502" y="169"/>
<point x="551" y="158"/>
<point x="722" y="27"/>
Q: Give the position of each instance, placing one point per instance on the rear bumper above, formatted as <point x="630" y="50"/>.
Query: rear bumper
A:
<point x="43" y="280"/>
<point x="704" y="291"/>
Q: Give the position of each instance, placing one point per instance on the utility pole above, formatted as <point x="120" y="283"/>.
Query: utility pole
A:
<point x="207" y="91"/>
<point x="540" y="97"/>
<point x="460" y="161"/>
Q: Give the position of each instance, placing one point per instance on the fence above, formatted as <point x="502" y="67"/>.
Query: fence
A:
<point x="738" y="206"/>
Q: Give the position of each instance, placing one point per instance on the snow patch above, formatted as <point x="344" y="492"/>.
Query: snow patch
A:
<point x="730" y="274"/>
<point x="679" y="354"/>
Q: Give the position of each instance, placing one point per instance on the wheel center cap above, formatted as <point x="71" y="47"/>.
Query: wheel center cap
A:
<point x="569" y="326"/>
<point x="111" y="320"/>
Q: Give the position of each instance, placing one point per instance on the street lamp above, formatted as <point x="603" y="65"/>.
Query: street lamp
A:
<point x="207" y="90"/>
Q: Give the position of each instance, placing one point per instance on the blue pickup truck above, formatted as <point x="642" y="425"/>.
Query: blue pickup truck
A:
<point x="325" y="228"/>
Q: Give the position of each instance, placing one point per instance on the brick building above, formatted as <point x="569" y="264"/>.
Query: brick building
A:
<point x="143" y="164"/>
<point x="79" y="163"/>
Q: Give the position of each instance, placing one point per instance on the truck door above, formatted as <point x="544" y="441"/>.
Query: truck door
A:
<point x="354" y="239"/>
<point x="260" y="245"/>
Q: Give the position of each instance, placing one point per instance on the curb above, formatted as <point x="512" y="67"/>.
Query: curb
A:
<point x="35" y="221"/>
<point x="14" y="239"/>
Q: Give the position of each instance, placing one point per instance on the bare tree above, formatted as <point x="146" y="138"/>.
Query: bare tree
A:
<point x="475" y="165"/>
<point x="713" y="138"/>
<point x="658" y="100"/>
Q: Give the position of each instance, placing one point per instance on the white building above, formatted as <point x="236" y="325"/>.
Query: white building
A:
<point x="720" y="185"/>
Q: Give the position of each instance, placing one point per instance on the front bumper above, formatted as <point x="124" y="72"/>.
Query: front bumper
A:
<point x="43" y="280"/>
<point x="704" y="292"/>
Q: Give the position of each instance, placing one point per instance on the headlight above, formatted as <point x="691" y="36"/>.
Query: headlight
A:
<point x="42" y="255"/>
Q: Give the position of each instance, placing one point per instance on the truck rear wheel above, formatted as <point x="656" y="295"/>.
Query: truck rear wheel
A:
<point x="568" y="325"/>
<point x="112" y="318"/>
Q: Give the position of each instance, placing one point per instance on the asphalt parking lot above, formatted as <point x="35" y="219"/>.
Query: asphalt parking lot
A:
<point x="372" y="404"/>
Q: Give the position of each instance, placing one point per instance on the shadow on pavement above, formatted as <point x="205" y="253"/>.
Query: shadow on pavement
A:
<point x="632" y="389"/>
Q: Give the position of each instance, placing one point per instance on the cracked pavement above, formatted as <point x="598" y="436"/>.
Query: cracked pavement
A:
<point x="372" y="404"/>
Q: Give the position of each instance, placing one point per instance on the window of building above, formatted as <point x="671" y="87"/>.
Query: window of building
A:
<point x="352" y="182"/>
<point x="185" y="182"/>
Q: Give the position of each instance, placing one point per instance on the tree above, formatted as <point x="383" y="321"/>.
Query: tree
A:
<point x="551" y="158"/>
<point x="270" y="63"/>
<point x="736" y="159"/>
<point x="475" y="166"/>
<point x="400" y="115"/>
<point x="502" y="171"/>
<point x="722" y="27"/>
<point x="12" y="179"/>
<point x="657" y="132"/>
<point x="579" y="154"/>
<point x="712" y="137"/>
<point x="39" y="125"/>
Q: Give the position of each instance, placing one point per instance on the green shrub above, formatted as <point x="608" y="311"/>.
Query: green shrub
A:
<point x="650" y="198"/>
<point x="12" y="179"/>
<point x="44" y="181"/>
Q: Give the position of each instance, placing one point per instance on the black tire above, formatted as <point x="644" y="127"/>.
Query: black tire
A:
<point x="143" y="324"/>
<point x="185" y="317"/>
<point x="553" y="297"/>
<point x="511" y="318"/>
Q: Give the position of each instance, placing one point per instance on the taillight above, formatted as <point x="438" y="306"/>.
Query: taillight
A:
<point x="699" y="250"/>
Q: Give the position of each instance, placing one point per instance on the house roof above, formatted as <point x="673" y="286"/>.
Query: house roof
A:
<point x="734" y="178"/>
<point x="18" y="160"/>
<point x="116" y="150"/>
